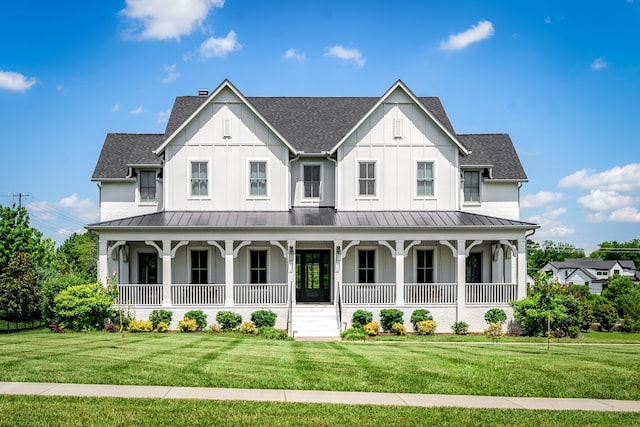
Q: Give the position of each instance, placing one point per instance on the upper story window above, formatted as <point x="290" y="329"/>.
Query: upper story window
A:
<point x="367" y="178"/>
<point x="147" y="186"/>
<point x="471" y="186"/>
<point x="199" y="179"/>
<point x="258" y="178"/>
<point x="424" y="182"/>
<point x="311" y="178"/>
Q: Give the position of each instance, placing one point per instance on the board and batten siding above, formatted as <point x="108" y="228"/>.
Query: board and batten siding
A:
<point x="121" y="200"/>
<point x="499" y="199"/>
<point x="327" y="184"/>
<point x="228" y="158"/>
<point x="396" y="160"/>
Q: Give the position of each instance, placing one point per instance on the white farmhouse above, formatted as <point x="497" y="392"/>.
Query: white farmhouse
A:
<point x="592" y="272"/>
<point x="312" y="207"/>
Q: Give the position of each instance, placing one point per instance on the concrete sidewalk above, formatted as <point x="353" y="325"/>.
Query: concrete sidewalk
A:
<point x="310" y="396"/>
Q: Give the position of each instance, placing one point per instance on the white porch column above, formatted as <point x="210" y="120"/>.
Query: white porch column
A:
<point x="399" y="272"/>
<point x="522" y="268"/>
<point x="166" y="272"/>
<point x="103" y="265"/>
<point x="461" y="265"/>
<point x="228" y="272"/>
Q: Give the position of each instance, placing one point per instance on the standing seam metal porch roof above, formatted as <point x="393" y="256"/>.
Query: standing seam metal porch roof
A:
<point x="306" y="217"/>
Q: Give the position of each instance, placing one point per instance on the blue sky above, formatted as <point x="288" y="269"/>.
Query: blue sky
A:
<point x="561" y="77"/>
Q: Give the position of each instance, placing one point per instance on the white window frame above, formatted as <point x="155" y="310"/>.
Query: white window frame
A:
<point x="190" y="264"/>
<point x="304" y="198"/>
<point x="415" y="262"/>
<point x="433" y="179"/>
<point x="153" y="201"/>
<point x="464" y="193"/>
<point x="226" y="128"/>
<point x="268" y="261"/>
<point x="267" y="179"/>
<point x="376" y="179"/>
<point x="190" y="163"/>
<point x="397" y="128"/>
<point x="376" y="264"/>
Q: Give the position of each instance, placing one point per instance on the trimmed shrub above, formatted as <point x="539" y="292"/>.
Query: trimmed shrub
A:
<point x="389" y="316"/>
<point x="372" y="328"/>
<point x="140" y="326"/>
<point x="83" y="307"/>
<point x="158" y="316"/>
<point x="187" y="325"/>
<point x="494" y="331"/>
<point x="262" y="318"/>
<point x="419" y="315"/>
<point x="361" y="318"/>
<point x="110" y="327"/>
<point x="199" y="317"/>
<point x="228" y="320"/>
<point x="426" y="327"/>
<point x="51" y="288"/>
<point x="460" y="328"/>
<point x="248" y="328"/>
<point x="353" y="334"/>
<point x="161" y="327"/>
<point x="495" y="315"/>
<point x="273" y="334"/>
<point x="399" y="329"/>
<point x="215" y="328"/>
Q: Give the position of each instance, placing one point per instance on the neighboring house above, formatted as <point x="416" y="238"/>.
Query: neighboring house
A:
<point x="312" y="207"/>
<point x="593" y="272"/>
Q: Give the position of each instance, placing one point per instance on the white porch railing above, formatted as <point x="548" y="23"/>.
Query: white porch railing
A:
<point x="368" y="293"/>
<point x="139" y="295"/>
<point x="490" y="293"/>
<point x="260" y="294"/>
<point x="430" y="293"/>
<point x="197" y="294"/>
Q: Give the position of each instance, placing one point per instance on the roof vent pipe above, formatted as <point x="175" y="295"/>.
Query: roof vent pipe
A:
<point x="203" y="92"/>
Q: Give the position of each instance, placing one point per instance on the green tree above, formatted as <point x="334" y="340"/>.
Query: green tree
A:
<point x="17" y="236"/>
<point x="619" y="251"/>
<point x="624" y="295"/>
<point x="79" y="253"/>
<point x="539" y="254"/>
<point x="19" y="290"/>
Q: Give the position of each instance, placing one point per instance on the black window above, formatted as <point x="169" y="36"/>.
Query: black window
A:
<point x="147" y="268"/>
<point x="366" y="266"/>
<point x="311" y="181"/>
<point x="258" y="268"/>
<point x="474" y="268"/>
<point x="199" y="270"/>
<point x="147" y="186"/>
<point x="471" y="186"/>
<point x="424" y="266"/>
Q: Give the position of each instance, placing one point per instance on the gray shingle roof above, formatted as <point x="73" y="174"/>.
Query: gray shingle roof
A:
<point x="305" y="217"/>
<point x="593" y="263"/>
<point x="495" y="149"/>
<point x="122" y="149"/>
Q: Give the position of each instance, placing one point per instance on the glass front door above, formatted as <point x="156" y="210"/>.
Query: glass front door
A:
<point x="313" y="276"/>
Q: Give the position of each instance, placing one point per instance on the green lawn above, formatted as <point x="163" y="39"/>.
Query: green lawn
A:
<point x="213" y="360"/>
<point x="75" y="411"/>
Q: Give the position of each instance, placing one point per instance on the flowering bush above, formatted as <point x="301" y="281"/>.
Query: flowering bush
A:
<point x="494" y="331"/>
<point x="162" y="327"/>
<point x="188" y="325"/>
<point x="426" y="327"/>
<point x="399" y="329"/>
<point x="140" y="326"/>
<point x="372" y="328"/>
<point x="248" y="328"/>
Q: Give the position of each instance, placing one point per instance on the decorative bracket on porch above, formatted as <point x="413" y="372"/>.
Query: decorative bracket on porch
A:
<point x="178" y="246"/>
<point x="468" y="250"/>
<point x="285" y="252"/>
<point x="217" y="245"/>
<point x="114" y="247"/>
<point x="448" y="244"/>
<point x="346" y="248"/>
<point x="153" y="244"/>
<point x="240" y="246"/>
<point x="405" y="251"/>
<point x="514" y="251"/>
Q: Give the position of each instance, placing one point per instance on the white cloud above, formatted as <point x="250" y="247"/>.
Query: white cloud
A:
<point x="599" y="64"/>
<point x="550" y="225"/>
<point x="17" y="82"/>
<point x="620" y="178"/>
<point x="628" y="214"/>
<point x="294" y="54"/>
<point x="137" y="110"/>
<point x="547" y="20"/>
<point x="482" y="30"/>
<point x="599" y="200"/>
<point x="70" y="208"/>
<point x="84" y="209"/>
<point x="539" y="199"/>
<point x="347" y="54"/>
<point x="115" y="108"/>
<point x="171" y="73"/>
<point x="167" y="19"/>
<point x="220" y="47"/>
<point x="163" y="116"/>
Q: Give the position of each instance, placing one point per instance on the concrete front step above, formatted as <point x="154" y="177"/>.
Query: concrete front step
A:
<point x="314" y="321"/>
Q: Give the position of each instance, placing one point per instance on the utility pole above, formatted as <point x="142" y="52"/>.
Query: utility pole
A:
<point x="20" y="196"/>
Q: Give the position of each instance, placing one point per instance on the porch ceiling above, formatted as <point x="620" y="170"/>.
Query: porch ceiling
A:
<point x="310" y="217"/>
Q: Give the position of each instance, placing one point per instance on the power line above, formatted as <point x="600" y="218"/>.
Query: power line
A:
<point x="20" y="196"/>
